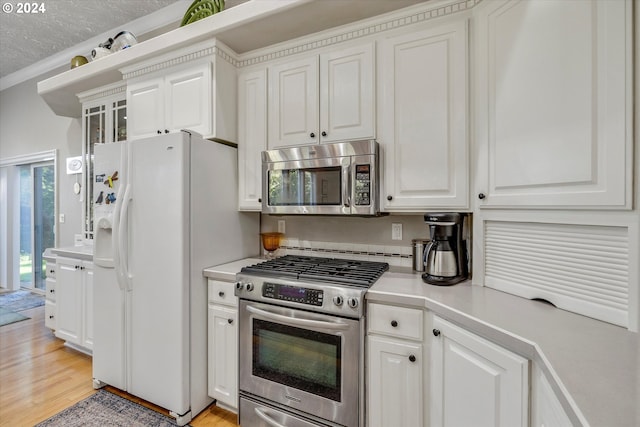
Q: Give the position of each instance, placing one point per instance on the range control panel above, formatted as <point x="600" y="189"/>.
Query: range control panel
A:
<point x="292" y="293"/>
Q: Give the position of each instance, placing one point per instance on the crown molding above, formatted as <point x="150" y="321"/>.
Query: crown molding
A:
<point x="145" y="24"/>
<point x="411" y="15"/>
<point x="197" y="51"/>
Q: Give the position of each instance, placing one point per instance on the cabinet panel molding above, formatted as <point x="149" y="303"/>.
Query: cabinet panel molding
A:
<point x="554" y="106"/>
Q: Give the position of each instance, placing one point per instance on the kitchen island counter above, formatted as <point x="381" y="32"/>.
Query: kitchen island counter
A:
<point x="593" y="366"/>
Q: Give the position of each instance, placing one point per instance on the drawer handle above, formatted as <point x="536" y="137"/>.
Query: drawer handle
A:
<point x="221" y="294"/>
<point x="412" y="358"/>
<point x="394" y="323"/>
<point x="436" y="332"/>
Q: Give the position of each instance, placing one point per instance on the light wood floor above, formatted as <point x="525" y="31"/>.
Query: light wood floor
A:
<point x="39" y="377"/>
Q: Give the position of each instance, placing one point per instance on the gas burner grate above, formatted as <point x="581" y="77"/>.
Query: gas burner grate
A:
<point x="344" y="271"/>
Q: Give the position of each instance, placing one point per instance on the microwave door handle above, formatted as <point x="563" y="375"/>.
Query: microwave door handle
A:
<point x="346" y="187"/>
<point x="296" y="321"/>
<point x="266" y="418"/>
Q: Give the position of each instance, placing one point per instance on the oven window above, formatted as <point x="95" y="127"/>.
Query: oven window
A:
<point x="305" y="187"/>
<point x="299" y="358"/>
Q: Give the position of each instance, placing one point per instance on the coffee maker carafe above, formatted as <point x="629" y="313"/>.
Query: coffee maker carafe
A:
<point x="445" y="259"/>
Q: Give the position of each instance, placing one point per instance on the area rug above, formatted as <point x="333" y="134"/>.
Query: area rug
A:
<point x="7" y="317"/>
<point x="105" y="409"/>
<point x="20" y="300"/>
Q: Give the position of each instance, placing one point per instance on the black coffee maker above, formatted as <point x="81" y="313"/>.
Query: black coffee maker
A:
<point x="445" y="258"/>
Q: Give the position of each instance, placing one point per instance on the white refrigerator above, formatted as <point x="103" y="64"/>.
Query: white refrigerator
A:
<point x="165" y="209"/>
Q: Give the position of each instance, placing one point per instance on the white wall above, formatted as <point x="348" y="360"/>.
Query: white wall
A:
<point x="27" y="125"/>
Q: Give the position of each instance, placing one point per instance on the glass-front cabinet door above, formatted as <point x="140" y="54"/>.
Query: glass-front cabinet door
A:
<point x="104" y="121"/>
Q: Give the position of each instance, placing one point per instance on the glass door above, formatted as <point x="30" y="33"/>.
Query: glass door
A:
<point x="37" y="221"/>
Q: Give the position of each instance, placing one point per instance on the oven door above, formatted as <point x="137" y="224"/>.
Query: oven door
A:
<point x="306" y="361"/>
<point x="313" y="187"/>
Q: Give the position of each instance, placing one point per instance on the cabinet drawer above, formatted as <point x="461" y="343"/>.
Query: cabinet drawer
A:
<point x="50" y="289"/>
<point x="50" y="314"/>
<point x="398" y="322"/>
<point x="222" y="293"/>
<point x="51" y="271"/>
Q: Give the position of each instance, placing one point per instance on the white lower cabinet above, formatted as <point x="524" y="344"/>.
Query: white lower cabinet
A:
<point x="74" y="302"/>
<point x="396" y="367"/>
<point x="223" y="344"/>
<point x="475" y="382"/>
<point x="546" y="409"/>
<point x="50" y="295"/>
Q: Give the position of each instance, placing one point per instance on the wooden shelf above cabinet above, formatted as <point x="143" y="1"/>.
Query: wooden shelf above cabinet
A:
<point x="248" y="26"/>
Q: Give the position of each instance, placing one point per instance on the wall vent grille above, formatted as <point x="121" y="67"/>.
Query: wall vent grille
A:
<point x="579" y="268"/>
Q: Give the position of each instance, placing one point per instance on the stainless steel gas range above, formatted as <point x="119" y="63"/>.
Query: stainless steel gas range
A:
<point x="302" y="341"/>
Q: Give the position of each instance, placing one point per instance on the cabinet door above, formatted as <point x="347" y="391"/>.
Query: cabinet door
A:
<point x="475" y="382"/>
<point x="395" y="379"/>
<point x="293" y="103"/>
<point x="145" y="108"/>
<point x="546" y="409"/>
<point x="188" y="100"/>
<point x="252" y="137"/>
<point x="69" y="300"/>
<point x="422" y="119"/>
<point x="347" y="108"/>
<point x="554" y="107"/>
<point x="223" y="355"/>
<point x="87" y="305"/>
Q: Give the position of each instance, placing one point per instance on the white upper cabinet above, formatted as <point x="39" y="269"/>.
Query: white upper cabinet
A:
<point x="422" y="118"/>
<point x="252" y="137"/>
<point x="196" y="94"/>
<point x="553" y="105"/>
<point x="322" y="98"/>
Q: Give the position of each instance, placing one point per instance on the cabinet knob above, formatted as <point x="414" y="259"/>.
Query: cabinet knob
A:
<point x="51" y="316"/>
<point x="52" y="291"/>
<point x="389" y="198"/>
<point x="481" y="196"/>
<point x="166" y="131"/>
<point x="324" y="133"/>
<point x="260" y="200"/>
<point x="230" y="321"/>
<point x="159" y="131"/>
<point x="312" y="135"/>
<point x="412" y="358"/>
<point x="394" y="323"/>
<point x="436" y="332"/>
<point x="221" y="294"/>
<point x="52" y="271"/>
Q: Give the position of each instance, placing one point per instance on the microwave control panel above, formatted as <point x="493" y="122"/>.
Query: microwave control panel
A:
<point x="363" y="185"/>
<point x="292" y="293"/>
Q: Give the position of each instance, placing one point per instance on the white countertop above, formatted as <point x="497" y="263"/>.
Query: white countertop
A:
<point x="227" y="272"/>
<point x="84" y="252"/>
<point x="595" y="364"/>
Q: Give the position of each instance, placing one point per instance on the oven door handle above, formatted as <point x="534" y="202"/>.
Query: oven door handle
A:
<point x="295" y="321"/>
<point x="266" y="418"/>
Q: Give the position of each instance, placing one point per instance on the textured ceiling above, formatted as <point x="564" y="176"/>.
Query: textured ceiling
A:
<point x="28" y="38"/>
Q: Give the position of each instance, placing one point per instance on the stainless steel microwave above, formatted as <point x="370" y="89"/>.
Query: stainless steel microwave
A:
<point x="326" y="179"/>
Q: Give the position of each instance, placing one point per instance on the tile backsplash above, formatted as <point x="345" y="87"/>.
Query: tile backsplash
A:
<point x="358" y="238"/>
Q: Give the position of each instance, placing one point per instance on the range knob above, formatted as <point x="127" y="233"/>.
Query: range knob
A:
<point x="338" y="300"/>
<point x="352" y="302"/>
<point x="249" y="287"/>
<point x="239" y="286"/>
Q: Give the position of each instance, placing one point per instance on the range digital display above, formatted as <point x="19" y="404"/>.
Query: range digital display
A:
<point x="292" y="293"/>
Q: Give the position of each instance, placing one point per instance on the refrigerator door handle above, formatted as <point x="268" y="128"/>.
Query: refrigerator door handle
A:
<point x="123" y="240"/>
